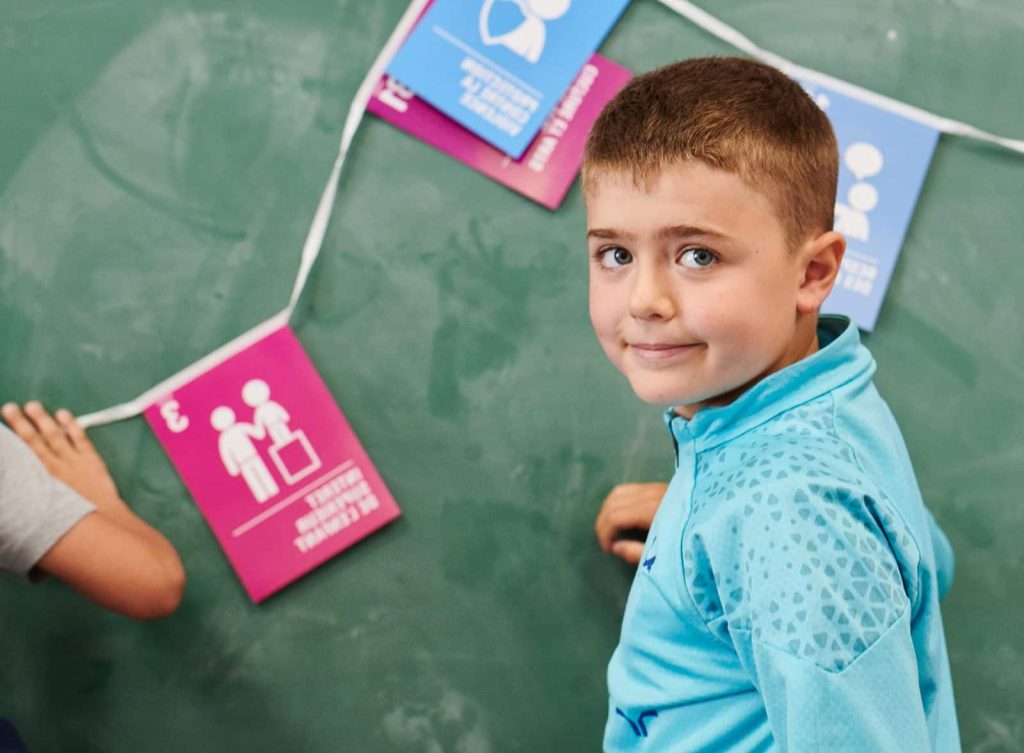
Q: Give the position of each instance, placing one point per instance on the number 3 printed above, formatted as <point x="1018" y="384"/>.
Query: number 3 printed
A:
<point x="175" y="421"/>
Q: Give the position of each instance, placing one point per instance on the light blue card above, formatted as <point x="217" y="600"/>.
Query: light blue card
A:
<point x="883" y="160"/>
<point x="498" y="67"/>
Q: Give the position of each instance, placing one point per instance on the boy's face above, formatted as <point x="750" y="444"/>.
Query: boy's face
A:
<point x="693" y="292"/>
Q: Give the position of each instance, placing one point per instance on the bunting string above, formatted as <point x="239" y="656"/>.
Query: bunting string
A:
<point x="357" y="110"/>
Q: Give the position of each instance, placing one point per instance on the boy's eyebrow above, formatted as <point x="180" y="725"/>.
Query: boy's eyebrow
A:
<point x="609" y="233"/>
<point x="666" y="233"/>
<point x="686" y="231"/>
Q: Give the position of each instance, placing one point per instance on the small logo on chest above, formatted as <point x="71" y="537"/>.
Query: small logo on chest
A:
<point x="648" y="562"/>
<point x="639" y="726"/>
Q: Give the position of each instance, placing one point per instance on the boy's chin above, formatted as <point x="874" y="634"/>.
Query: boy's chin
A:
<point x="669" y="396"/>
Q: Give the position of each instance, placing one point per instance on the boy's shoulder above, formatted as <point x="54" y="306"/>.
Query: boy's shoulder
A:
<point x="799" y="462"/>
<point x="786" y="515"/>
<point x="801" y="446"/>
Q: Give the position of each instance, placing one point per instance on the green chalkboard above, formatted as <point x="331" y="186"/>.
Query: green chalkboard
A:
<point x="159" y="166"/>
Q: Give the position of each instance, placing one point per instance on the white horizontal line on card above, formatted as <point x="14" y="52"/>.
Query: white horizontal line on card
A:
<point x="448" y="37"/>
<point x="267" y="514"/>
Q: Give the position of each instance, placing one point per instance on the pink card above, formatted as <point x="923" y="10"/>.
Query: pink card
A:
<point x="549" y="165"/>
<point x="272" y="463"/>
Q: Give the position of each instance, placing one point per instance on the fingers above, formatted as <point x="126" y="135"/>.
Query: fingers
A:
<point x="46" y="437"/>
<point x="622" y="509"/>
<point x="74" y="431"/>
<point x="23" y="426"/>
<point x="608" y="522"/>
<point x="630" y="551"/>
<point x="629" y="506"/>
<point x="50" y="429"/>
<point x="616" y="516"/>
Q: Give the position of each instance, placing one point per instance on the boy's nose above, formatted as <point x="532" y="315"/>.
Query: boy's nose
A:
<point x="651" y="295"/>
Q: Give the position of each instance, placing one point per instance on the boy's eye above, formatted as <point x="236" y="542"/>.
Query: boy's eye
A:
<point x="698" y="258"/>
<point x="611" y="258"/>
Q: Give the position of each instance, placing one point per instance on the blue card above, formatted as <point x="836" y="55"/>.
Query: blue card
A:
<point x="498" y="67"/>
<point x="883" y="160"/>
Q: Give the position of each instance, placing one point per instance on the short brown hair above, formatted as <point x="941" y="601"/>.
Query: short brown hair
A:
<point x="731" y="113"/>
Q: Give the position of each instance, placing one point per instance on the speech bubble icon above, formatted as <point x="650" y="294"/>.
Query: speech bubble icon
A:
<point x="863" y="197"/>
<point x="863" y="159"/>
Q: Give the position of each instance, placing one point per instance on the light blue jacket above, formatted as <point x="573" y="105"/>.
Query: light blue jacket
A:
<point x="788" y="596"/>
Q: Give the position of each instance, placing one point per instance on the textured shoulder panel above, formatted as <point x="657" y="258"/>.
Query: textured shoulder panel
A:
<point x="789" y="543"/>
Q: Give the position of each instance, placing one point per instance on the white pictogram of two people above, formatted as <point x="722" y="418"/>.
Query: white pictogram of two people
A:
<point x="239" y="453"/>
<point x="528" y="38"/>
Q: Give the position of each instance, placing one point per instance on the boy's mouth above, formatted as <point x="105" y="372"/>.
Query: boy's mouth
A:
<point x="662" y="352"/>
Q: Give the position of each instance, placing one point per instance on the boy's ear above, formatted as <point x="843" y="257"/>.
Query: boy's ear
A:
<point x="819" y="265"/>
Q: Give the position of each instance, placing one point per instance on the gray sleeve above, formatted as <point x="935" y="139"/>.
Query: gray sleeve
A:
<point x="36" y="509"/>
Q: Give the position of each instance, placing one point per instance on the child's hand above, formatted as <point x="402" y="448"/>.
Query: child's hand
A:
<point x="111" y="556"/>
<point x="64" y="449"/>
<point x="629" y="506"/>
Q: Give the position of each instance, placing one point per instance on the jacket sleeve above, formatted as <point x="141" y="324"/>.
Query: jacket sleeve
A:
<point x="808" y="587"/>
<point x="945" y="562"/>
<point x="872" y="704"/>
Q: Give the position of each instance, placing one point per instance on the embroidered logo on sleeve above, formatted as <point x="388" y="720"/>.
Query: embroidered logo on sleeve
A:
<point x="648" y="562"/>
<point x="639" y="726"/>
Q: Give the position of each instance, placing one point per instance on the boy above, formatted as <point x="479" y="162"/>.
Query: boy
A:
<point x="60" y="514"/>
<point x="787" y="594"/>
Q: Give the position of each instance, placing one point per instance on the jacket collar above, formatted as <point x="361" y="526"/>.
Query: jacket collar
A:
<point x="840" y="359"/>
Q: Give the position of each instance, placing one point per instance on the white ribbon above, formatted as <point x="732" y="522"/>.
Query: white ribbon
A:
<point x="310" y="249"/>
<point x="731" y="36"/>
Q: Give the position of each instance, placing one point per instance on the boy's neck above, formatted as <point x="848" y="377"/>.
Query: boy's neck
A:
<point x="804" y="344"/>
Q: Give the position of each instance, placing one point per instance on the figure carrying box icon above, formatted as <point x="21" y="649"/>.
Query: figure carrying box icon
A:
<point x="275" y="468"/>
<point x="290" y="450"/>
